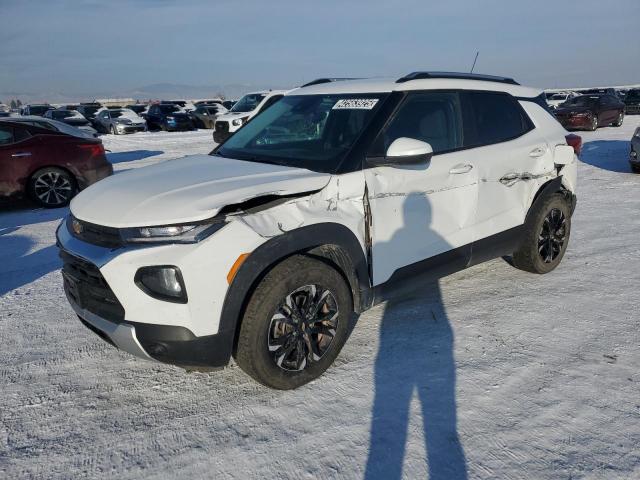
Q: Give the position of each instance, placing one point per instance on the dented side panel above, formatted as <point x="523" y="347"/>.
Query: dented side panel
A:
<point x="341" y="201"/>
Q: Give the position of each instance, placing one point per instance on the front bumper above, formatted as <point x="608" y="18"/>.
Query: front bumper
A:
<point x="124" y="128"/>
<point x="632" y="109"/>
<point x="99" y="285"/>
<point x="221" y="137"/>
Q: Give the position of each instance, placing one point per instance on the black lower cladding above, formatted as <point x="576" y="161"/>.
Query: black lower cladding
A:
<point x="179" y="346"/>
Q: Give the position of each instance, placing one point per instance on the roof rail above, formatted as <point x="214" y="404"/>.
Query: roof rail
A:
<point x="456" y="75"/>
<point x="318" y="81"/>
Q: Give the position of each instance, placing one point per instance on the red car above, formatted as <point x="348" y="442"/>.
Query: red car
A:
<point x="588" y="112"/>
<point x="47" y="160"/>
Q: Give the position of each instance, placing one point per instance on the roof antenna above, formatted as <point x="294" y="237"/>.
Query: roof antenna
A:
<point x="474" y="61"/>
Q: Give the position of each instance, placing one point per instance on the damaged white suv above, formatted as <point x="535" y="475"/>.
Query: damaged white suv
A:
<point x="337" y="197"/>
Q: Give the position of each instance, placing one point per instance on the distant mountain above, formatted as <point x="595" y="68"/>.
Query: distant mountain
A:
<point x="157" y="91"/>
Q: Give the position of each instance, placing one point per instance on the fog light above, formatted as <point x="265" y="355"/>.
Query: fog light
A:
<point x="162" y="282"/>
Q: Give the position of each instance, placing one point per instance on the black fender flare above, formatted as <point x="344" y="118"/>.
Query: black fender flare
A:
<point x="344" y="251"/>
<point x="548" y="189"/>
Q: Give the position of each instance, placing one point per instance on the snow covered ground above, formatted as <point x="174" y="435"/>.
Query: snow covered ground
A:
<point x="539" y="375"/>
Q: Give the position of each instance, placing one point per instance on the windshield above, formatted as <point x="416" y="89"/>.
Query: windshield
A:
<point x="248" y="103"/>
<point x="583" y="101"/>
<point x="307" y="131"/>
<point x="169" y="108"/>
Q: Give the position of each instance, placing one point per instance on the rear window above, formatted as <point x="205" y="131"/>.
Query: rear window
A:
<point x="493" y="117"/>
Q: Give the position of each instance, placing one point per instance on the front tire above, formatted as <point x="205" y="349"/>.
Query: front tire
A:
<point x="295" y="323"/>
<point x="594" y="123"/>
<point x="52" y="187"/>
<point x="546" y="236"/>
<point x="113" y="130"/>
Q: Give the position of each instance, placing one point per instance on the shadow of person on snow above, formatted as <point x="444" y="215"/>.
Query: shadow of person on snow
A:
<point x="17" y="266"/>
<point x="415" y="356"/>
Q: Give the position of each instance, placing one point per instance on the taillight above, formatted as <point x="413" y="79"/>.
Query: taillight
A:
<point x="94" y="149"/>
<point x="574" y="141"/>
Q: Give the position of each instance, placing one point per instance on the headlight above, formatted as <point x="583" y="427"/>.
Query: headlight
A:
<point x="171" y="233"/>
<point x="239" y="121"/>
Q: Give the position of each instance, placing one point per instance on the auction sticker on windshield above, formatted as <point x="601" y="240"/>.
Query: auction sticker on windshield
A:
<point x="355" y="104"/>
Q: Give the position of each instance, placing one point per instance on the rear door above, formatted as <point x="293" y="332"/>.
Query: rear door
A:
<point x="511" y="156"/>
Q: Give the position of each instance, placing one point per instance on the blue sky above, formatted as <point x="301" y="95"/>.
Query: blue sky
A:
<point x="86" y="46"/>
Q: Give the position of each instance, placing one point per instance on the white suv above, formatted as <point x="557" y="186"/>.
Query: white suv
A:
<point x="242" y="111"/>
<point x="338" y="197"/>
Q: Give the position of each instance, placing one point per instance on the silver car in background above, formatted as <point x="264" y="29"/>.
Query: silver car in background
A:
<point x="118" y="121"/>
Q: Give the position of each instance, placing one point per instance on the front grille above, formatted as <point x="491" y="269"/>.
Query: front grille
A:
<point x="222" y="127"/>
<point x="87" y="288"/>
<point x="108" y="237"/>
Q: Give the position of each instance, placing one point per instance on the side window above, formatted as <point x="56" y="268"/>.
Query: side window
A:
<point x="493" y="117"/>
<point x="20" y="134"/>
<point x="6" y="135"/>
<point x="433" y="117"/>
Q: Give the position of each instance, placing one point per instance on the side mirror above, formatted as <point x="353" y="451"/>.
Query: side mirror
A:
<point x="405" y="151"/>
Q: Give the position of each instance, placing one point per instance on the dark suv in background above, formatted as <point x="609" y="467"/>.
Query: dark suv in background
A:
<point x="88" y="110"/>
<point x="632" y="101"/>
<point x="168" y="117"/>
<point x="588" y="112"/>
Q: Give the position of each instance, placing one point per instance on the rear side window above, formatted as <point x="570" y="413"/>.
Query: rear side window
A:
<point x="20" y="134"/>
<point x="493" y="117"/>
<point x="433" y="117"/>
<point x="6" y="135"/>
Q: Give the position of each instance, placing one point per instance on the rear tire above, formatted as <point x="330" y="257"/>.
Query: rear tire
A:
<point x="52" y="187"/>
<point x="295" y="323"/>
<point x="594" y="123"/>
<point x="546" y="236"/>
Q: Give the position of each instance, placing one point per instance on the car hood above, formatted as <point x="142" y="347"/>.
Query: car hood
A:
<point x="188" y="189"/>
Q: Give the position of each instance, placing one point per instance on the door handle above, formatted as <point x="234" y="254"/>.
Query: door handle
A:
<point x="537" y="152"/>
<point x="21" y="154"/>
<point x="461" y="168"/>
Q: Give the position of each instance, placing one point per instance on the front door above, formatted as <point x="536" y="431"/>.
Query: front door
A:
<point x="420" y="211"/>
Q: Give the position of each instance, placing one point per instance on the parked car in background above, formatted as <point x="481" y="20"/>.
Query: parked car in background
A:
<point x="228" y="104"/>
<point x="4" y="108"/>
<point x="314" y="212"/>
<point x="47" y="160"/>
<point x="168" y="117"/>
<point x="73" y="118"/>
<point x="204" y="116"/>
<point x="119" y="120"/>
<point x="632" y="101"/>
<point x="244" y="110"/>
<point x="68" y="106"/>
<point x="88" y="110"/>
<point x="4" y="114"/>
<point x="588" y="112"/>
<point x="138" y="107"/>
<point x="634" y="154"/>
<point x="557" y="99"/>
<point x="38" y="109"/>
<point x="207" y="102"/>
